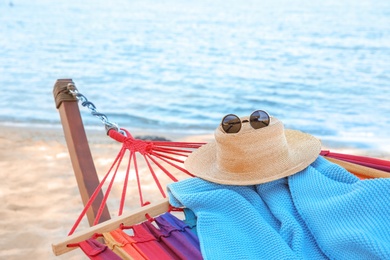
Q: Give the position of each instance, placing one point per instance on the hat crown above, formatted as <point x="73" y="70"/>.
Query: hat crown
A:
<point x="250" y="149"/>
<point x="253" y="156"/>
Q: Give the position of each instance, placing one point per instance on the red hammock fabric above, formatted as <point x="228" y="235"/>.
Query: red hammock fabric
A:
<point x="96" y="250"/>
<point x="374" y="163"/>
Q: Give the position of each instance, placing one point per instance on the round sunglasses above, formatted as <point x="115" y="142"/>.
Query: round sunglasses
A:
<point x="231" y="124"/>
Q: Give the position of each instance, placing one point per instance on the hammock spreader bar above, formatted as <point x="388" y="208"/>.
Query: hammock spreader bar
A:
<point x="128" y="219"/>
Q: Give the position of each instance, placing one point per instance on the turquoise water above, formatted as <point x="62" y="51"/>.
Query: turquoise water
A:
<point x="320" y="66"/>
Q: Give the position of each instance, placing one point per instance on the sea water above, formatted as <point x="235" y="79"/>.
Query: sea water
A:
<point x="322" y="67"/>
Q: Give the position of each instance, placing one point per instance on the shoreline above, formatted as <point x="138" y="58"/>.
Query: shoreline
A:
<point x="376" y="147"/>
<point x="39" y="191"/>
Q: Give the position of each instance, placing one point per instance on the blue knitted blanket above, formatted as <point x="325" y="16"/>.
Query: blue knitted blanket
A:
<point x="321" y="212"/>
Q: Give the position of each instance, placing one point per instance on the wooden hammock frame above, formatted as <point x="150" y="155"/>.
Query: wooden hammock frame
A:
<point x="87" y="178"/>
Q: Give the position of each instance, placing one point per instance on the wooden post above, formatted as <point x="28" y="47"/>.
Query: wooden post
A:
<point x="80" y="154"/>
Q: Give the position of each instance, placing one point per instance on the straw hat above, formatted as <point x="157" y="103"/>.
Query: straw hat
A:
<point x="253" y="156"/>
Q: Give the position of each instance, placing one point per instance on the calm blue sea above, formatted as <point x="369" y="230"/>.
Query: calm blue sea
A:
<point x="322" y="67"/>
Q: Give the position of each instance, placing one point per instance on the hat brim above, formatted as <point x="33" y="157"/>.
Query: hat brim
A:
<point x="303" y="150"/>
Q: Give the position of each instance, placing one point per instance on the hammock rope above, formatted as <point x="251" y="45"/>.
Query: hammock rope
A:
<point x="155" y="154"/>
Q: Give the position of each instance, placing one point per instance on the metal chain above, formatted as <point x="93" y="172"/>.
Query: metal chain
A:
<point x="88" y="104"/>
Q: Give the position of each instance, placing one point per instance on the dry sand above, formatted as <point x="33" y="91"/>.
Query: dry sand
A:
<point x="38" y="192"/>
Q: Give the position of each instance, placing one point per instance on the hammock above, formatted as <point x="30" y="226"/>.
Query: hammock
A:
<point x="159" y="155"/>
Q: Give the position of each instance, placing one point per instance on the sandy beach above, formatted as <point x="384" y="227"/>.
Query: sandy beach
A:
<point x="39" y="194"/>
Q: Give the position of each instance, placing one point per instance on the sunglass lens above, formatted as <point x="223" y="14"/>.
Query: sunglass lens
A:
<point x="259" y="119"/>
<point x="231" y="124"/>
